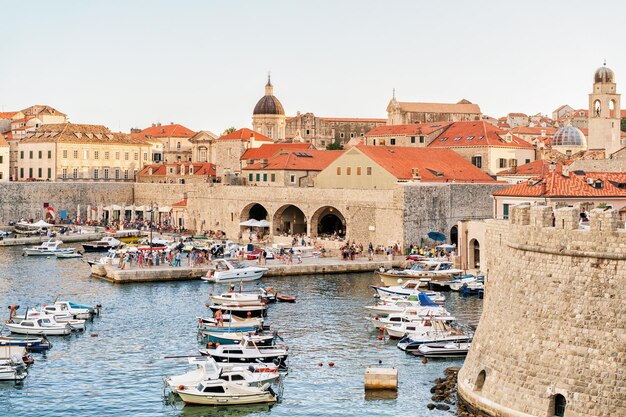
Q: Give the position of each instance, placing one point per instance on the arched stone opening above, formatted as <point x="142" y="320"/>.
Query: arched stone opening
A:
<point x="454" y="235"/>
<point x="254" y="211"/>
<point x="612" y="107"/>
<point x="289" y="220"/>
<point x="474" y="254"/>
<point x="480" y="380"/>
<point x="328" y="222"/>
<point x="597" y="108"/>
<point x="558" y="405"/>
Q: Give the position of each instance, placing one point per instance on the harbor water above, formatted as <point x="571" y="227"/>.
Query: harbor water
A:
<point x="116" y="367"/>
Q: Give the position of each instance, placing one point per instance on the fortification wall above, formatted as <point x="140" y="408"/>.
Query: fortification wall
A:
<point x="26" y="200"/>
<point x="554" y="320"/>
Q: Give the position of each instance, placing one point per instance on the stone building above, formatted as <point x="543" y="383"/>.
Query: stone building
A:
<point x="517" y="119"/>
<point x="418" y="135"/>
<point x="178" y="173"/>
<point x="268" y="116"/>
<point x="226" y="152"/>
<point x="604" y="113"/>
<point x="175" y="140"/>
<point x="551" y="336"/>
<point x="404" y="113"/>
<point x="4" y="159"/>
<point x="268" y="150"/>
<point x="201" y="146"/>
<point x="484" y="145"/>
<point x="322" y="131"/>
<point x="289" y="168"/>
<point x="46" y="114"/>
<point x="71" y="152"/>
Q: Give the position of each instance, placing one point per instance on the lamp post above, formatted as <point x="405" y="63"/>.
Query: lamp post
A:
<point x="153" y="206"/>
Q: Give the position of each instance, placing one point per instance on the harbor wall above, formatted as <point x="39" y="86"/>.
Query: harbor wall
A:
<point x="554" y="321"/>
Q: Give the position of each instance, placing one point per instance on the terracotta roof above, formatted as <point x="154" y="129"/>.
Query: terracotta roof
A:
<point x="182" y="168"/>
<point x="181" y="203"/>
<point x="245" y="134"/>
<point x="168" y="131"/>
<point x="38" y="109"/>
<point x="535" y="130"/>
<point x="7" y="114"/>
<point x="354" y="119"/>
<point x="78" y="133"/>
<point x="3" y="142"/>
<point x="476" y="134"/>
<point x="440" y="107"/>
<point x="305" y="160"/>
<point x="555" y="184"/>
<point x="517" y="115"/>
<point x="536" y="168"/>
<point x="413" y="129"/>
<point x="434" y="165"/>
<point x="268" y="150"/>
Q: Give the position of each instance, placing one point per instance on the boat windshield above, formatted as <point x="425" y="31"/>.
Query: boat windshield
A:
<point x="239" y="266"/>
<point x="445" y="266"/>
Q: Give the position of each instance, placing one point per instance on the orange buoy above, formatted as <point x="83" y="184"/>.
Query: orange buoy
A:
<point x="331" y="364"/>
<point x="207" y="305"/>
<point x="181" y="387"/>
<point x="94" y="335"/>
<point x="424" y="360"/>
<point x="320" y="364"/>
<point x="380" y="336"/>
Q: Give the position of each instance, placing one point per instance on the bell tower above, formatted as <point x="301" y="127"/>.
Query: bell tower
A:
<point x="604" y="113"/>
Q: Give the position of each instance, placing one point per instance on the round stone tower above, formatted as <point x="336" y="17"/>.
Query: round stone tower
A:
<point x="552" y="336"/>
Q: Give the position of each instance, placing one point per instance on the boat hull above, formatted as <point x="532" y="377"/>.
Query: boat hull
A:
<point x="409" y="345"/>
<point x="234" y="338"/>
<point x="56" y="331"/>
<point x="212" y="399"/>
<point x="242" y="311"/>
<point x="32" y="252"/>
<point x="34" y="344"/>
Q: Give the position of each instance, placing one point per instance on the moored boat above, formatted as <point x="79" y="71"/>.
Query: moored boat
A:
<point x="247" y="351"/>
<point x="244" y="311"/>
<point x="102" y="245"/>
<point x="32" y="344"/>
<point x="443" y="350"/>
<point x="220" y="392"/>
<point x="42" y="326"/>
<point x="49" y="248"/>
<point x="223" y="270"/>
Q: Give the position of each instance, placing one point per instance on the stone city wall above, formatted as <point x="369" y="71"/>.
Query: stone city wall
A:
<point x="26" y="199"/>
<point x="554" y="321"/>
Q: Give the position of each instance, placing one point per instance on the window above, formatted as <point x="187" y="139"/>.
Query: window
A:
<point x="117" y="156"/>
<point x="527" y="161"/>
<point x="480" y="380"/>
<point x="106" y="173"/>
<point x="126" y="156"/>
<point x="21" y="172"/>
<point x="49" y="154"/>
<point x="216" y="389"/>
<point x="40" y="154"/>
<point x="85" y="154"/>
<point x="392" y="141"/>
<point x="505" y="211"/>
<point x="348" y="170"/>
<point x="480" y="138"/>
<point x="341" y="135"/>
<point x="96" y="155"/>
<point x="368" y="171"/>
<point x="292" y="179"/>
<point x="352" y="134"/>
<point x="502" y="163"/>
<point x="559" y="405"/>
<point x="75" y="173"/>
<point x="273" y="177"/>
<point x="1" y="175"/>
<point x="470" y="138"/>
<point x="308" y="132"/>
<point x="106" y="155"/>
<point x="177" y="145"/>
<point x="117" y="173"/>
<point x="64" y="153"/>
<point x="64" y="173"/>
<point x="458" y="138"/>
<point x="358" y="170"/>
<point x="96" y="174"/>
<point x="39" y="172"/>
<point x="49" y="173"/>
<point x="1" y="159"/>
<point x="477" y="161"/>
<point x="374" y="142"/>
<point x="338" y="170"/>
<point x="421" y="139"/>
<point x="264" y="177"/>
<point x="30" y="154"/>
<point x="258" y="177"/>
<point x="443" y="139"/>
<point x="250" y="177"/>
<point x="125" y="174"/>
<point x="76" y="154"/>
<point x="513" y="163"/>
<point x="136" y="156"/>
<point x="30" y="173"/>
<point x="145" y="156"/>
<point x="21" y="154"/>
<point x="412" y="139"/>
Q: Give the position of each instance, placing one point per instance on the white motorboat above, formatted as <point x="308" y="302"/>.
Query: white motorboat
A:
<point x="42" y="326"/>
<point x="238" y="298"/>
<point x="49" y="248"/>
<point x="392" y="305"/>
<point x="67" y="307"/>
<point x="422" y="325"/>
<point x="441" y="330"/>
<point x="221" y="392"/>
<point x="247" y="351"/>
<point x="13" y="368"/>
<point x="457" y="284"/>
<point x="443" y="350"/>
<point x="223" y="270"/>
<point x="102" y="245"/>
<point x="410" y="314"/>
<point x="55" y="318"/>
<point x="208" y="369"/>
<point x="424" y="270"/>
<point x="407" y="289"/>
<point x="230" y="322"/>
<point x="71" y="255"/>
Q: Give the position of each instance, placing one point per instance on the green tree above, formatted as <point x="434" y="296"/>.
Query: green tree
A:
<point x="335" y="146"/>
<point x="623" y="124"/>
<point x="229" y="130"/>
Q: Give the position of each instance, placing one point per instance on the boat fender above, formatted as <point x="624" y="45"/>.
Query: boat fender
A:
<point x="424" y="360"/>
<point x="331" y="364"/>
<point x="181" y="387"/>
<point x="380" y="336"/>
<point x="320" y="364"/>
<point x="207" y="305"/>
<point x="200" y="321"/>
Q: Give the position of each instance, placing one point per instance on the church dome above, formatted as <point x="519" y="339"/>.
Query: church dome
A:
<point x="268" y="103"/>
<point x="568" y="136"/>
<point x="604" y="75"/>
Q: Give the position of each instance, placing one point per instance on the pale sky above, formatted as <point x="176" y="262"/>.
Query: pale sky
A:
<point x="204" y="63"/>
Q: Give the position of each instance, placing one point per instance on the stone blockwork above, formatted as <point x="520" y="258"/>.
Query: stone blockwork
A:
<point x="554" y="320"/>
<point x="26" y="200"/>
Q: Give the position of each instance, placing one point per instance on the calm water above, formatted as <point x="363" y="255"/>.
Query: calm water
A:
<point x="120" y="372"/>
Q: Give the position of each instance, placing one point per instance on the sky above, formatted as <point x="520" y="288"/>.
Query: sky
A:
<point x="204" y="63"/>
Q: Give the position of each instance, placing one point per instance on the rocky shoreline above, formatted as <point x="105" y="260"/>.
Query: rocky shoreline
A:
<point x="445" y="394"/>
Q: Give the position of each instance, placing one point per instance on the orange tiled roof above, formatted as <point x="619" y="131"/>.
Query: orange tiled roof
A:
<point x="3" y="142"/>
<point x="181" y="203"/>
<point x="412" y="129"/>
<point x="182" y="168"/>
<point x="517" y="115"/>
<point x="440" y="107"/>
<point x="354" y="119"/>
<point x="535" y="130"/>
<point x="7" y="114"/>
<point x="304" y="160"/>
<point x="476" y="134"/>
<point x="79" y="133"/>
<point x="245" y="134"/>
<point x="268" y="150"/>
<point x="168" y="131"/>
<point x="434" y="165"/>
<point x="536" y="168"/>
<point x="555" y="184"/>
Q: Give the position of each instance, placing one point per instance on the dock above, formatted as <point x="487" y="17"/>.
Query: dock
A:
<point x="307" y="267"/>
<point x="35" y="240"/>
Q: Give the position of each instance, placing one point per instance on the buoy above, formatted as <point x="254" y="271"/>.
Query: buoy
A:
<point x="207" y="305"/>
<point x="424" y="360"/>
<point x="181" y="387"/>
<point x="380" y="336"/>
<point x="320" y="364"/>
<point x="94" y="335"/>
<point x="331" y="364"/>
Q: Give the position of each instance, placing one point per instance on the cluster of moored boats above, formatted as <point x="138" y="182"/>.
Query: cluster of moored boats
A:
<point x="240" y="360"/>
<point x="30" y="331"/>
<point x="418" y="319"/>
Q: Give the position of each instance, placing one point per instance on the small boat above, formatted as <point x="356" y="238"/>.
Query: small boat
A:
<point x="42" y="326"/>
<point x="78" y="311"/>
<point x="238" y="298"/>
<point x="208" y="369"/>
<point x="71" y="255"/>
<point x="474" y="288"/>
<point x="285" y="299"/>
<point x="102" y="245"/>
<point x="230" y="324"/>
<point x="247" y="351"/>
<point x="410" y="314"/>
<point x="244" y="311"/>
<point x="233" y="338"/>
<point x="13" y="368"/>
<point x="32" y="344"/>
<point x="407" y="289"/>
<point x="48" y="248"/>
<point x="221" y="392"/>
<point x="54" y="318"/>
<point x="443" y="350"/>
<point x="440" y="331"/>
<point x="223" y="270"/>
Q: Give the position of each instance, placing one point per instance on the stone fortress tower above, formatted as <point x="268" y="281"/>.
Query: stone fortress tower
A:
<point x="604" y="113"/>
<point x="552" y="337"/>
<point x="268" y="117"/>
